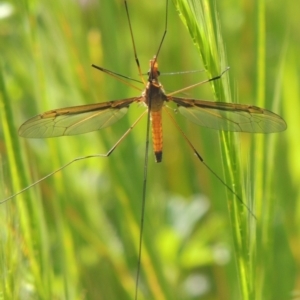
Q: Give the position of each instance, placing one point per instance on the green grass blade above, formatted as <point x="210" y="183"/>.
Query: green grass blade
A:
<point x="201" y="18"/>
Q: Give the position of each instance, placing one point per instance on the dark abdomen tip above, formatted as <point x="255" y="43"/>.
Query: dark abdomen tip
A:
<point x="158" y="156"/>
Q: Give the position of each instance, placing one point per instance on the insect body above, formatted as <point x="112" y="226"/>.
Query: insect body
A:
<point x="216" y="115"/>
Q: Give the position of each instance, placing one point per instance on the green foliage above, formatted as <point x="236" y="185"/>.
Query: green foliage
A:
<point x="75" y="235"/>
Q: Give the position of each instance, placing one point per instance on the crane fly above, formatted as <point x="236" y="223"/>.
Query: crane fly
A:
<point x="216" y="115"/>
<point x="87" y="118"/>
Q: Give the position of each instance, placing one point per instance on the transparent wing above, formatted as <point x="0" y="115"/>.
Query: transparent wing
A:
<point x="229" y="116"/>
<point x="75" y="120"/>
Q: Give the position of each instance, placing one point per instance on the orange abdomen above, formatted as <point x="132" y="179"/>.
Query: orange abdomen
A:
<point x="157" y="135"/>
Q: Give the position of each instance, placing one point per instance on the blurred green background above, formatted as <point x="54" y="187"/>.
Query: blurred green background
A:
<point x="75" y="235"/>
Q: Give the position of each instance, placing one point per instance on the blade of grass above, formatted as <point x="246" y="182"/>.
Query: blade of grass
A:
<point x="201" y="18"/>
<point x="262" y="211"/>
<point x="22" y="217"/>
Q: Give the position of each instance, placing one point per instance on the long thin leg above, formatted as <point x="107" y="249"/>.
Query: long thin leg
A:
<point x="198" y="83"/>
<point x="133" y="43"/>
<point x="165" y="31"/>
<point x="202" y="161"/>
<point x="143" y="208"/>
<point x="77" y="159"/>
<point x="119" y="77"/>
